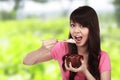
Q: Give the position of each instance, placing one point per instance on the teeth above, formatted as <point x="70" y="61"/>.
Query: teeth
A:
<point x="78" y="37"/>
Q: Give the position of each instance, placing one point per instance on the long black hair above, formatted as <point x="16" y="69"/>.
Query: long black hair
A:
<point x="87" y="17"/>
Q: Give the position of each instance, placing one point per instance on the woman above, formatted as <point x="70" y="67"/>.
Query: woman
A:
<point x="84" y="29"/>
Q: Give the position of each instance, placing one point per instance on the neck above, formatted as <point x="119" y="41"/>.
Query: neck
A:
<point x="82" y="50"/>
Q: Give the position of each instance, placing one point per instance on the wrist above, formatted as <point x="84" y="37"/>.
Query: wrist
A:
<point x="88" y="75"/>
<point x="85" y="71"/>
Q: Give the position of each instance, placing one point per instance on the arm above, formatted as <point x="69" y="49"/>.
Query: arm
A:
<point x="103" y="76"/>
<point x="105" y="67"/>
<point x="106" y="75"/>
<point x="40" y="55"/>
<point x="88" y="75"/>
<point x="83" y="68"/>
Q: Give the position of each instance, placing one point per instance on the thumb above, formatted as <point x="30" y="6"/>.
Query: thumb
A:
<point x="82" y="60"/>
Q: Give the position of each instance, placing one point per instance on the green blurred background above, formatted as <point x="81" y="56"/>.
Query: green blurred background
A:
<point x="21" y="33"/>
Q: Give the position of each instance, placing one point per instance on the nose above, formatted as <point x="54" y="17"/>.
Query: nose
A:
<point x="77" y="29"/>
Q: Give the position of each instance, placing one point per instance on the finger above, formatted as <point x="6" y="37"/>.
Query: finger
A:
<point x="70" y="65"/>
<point x="49" y="46"/>
<point x="75" y="69"/>
<point x="66" y="66"/>
<point x="82" y="60"/>
<point x="53" y="40"/>
<point x="72" y="68"/>
<point x="49" y="43"/>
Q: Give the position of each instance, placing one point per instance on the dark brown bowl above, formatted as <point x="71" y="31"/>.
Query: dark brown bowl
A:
<point x="74" y="59"/>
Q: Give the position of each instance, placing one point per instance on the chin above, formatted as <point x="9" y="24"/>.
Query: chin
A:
<point x="80" y="45"/>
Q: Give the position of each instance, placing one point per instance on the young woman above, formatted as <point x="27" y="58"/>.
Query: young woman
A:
<point x="84" y="29"/>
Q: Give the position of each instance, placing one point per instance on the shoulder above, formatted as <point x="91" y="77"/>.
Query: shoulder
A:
<point x="104" y="64"/>
<point x="103" y="55"/>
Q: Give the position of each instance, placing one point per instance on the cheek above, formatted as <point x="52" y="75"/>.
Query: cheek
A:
<point x="71" y="31"/>
<point x="86" y="32"/>
<point x="87" y="35"/>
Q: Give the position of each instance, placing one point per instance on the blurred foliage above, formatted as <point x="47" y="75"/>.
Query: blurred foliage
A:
<point x="4" y="15"/>
<point x="19" y="4"/>
<point x="41" y="1"/>
<point x="117" y="10"/>
<point x="18" y="37"/>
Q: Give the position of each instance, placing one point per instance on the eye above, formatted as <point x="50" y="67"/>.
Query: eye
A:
<point x="72" y="25"/>
<point x="81" y="26"/>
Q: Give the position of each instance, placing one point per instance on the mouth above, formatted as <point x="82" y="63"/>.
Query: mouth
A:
<point x="78" y="38"/>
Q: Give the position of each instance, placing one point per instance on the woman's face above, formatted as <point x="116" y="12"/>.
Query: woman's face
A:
<point x="79" y="33"/>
